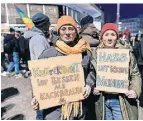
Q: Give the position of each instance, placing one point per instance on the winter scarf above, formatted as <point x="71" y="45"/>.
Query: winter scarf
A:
<point x="80" y="47"/>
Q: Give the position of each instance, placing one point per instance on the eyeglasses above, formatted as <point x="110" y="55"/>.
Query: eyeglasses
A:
<point x="69" y="30"/>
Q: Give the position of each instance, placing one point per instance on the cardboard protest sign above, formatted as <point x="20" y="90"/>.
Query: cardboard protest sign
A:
<point x="112" y="70"/>
<point x="57" y="80"/>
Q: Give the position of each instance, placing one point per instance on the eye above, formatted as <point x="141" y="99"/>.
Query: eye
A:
<point x="113" y="34"/>
<point x="71" y="28"/>
<point x="63" y="29"/>
<point x="106" y="34"/>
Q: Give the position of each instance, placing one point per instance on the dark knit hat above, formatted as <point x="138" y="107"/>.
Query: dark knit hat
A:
<point x="12" y="30"/>
<point x="40" y="19"/>
<point x="86" y="20"/>
<point x="109" y="26"/>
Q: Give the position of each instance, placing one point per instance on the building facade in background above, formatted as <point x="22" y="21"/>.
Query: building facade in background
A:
<point x="10" y="17"/>
<point x="133" y="24"/>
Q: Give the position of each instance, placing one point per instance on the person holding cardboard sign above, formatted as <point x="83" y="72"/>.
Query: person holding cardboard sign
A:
<point x="117" y="106"/>
<point x="69" y="43"/>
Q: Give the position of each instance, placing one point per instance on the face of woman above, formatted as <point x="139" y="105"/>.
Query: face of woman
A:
<point x="109" y="39"/>
<point x="67" y="33"/>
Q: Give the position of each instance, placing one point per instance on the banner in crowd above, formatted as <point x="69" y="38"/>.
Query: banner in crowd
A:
<point x="27" y="21"/>
<point x="57" y="80"/>
<point x="112" y="70"/>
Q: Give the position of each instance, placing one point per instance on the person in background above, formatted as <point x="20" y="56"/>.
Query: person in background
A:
<point x="116" y="106"/>
<point x="4" y="68"/>
<point x="127" y="36"/>
<point x="21" y="41"/>
<point x="38" y="35"/>
<point x="24" y="53"/>
<point x="138" y="52"/>
<point x="88" y="31"/>
<point x="8" y="45"/>
<point x="14" y="62"/>
<point x="37" y="42"/>
<point x="122" y="39"/>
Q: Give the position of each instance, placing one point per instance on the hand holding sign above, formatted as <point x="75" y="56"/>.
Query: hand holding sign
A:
<point x="34" y="103"/>
<point x="87" y="91"/>
<point x="96" y="92"/>
<point x="131" y="94"/>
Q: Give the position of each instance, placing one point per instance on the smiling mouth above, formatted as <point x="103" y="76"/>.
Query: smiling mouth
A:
<point x="68" y="38"/>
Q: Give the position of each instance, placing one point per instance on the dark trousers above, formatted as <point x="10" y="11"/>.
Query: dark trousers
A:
<point x="3" y="64"/>
<point x="54" y="113"/>
<point x="26" y="57"/>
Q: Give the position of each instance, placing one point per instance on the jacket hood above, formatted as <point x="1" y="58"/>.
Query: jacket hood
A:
<point x="94" y="42"/>
<point x="91" y="36"/>
<point x="34" y="31"/>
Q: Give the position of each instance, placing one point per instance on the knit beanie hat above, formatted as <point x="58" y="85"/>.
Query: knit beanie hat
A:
<point x="64" y="20"/>
<point x="12" y="30"/>
<point x="40" y="19"/>
<point x="86" y="20"/>
<point x="109" y="26"/>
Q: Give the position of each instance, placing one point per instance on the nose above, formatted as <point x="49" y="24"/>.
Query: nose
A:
<point x="110" y="38"/>
<point x="67" y="32"/>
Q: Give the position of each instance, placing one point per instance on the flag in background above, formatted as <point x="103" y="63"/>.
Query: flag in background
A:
<point x="28" y="22"/>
